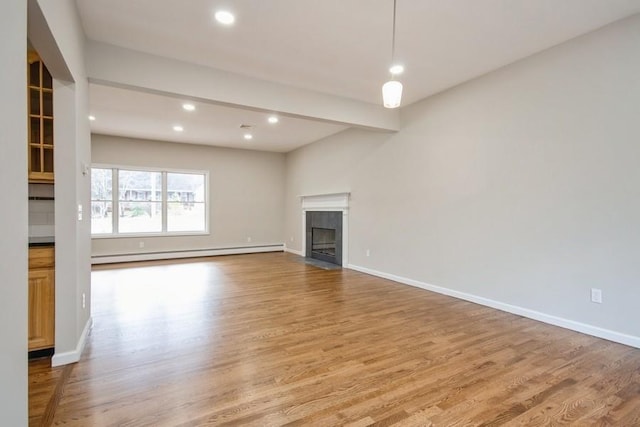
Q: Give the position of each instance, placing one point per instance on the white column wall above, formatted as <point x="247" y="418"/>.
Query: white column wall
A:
<point x="56" y="33"/>
<point x="13" y="215"/>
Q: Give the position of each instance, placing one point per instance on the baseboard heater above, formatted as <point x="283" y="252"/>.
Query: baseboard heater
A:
<point x="186" y="253"/>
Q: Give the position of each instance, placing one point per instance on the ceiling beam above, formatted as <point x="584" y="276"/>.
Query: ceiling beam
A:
<point x="116" y="66"/>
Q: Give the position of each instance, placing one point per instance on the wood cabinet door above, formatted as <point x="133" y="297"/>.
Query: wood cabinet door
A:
<point x="41" y="308"/>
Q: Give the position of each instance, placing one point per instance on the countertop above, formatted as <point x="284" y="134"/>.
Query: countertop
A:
<point x="41" y="241"/>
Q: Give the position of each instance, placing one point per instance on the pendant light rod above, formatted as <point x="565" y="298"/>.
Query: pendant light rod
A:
<point x="393" y="35"/>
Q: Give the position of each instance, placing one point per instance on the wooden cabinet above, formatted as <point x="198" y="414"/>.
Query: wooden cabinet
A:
<point x="40" y="134"/>
<point x="41" y="298"/>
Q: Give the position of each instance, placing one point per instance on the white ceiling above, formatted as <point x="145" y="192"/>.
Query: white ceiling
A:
<point x="338" y="47"/>
<point x="136" y="114"/>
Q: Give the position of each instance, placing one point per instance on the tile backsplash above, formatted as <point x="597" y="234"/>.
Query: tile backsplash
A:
<point x="41" y="210"/>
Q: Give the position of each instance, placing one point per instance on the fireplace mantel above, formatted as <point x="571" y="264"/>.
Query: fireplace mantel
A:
<point x="328" y="201"/>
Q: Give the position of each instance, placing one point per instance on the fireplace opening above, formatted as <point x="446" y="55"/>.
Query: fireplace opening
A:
<point x="323" y="241"/>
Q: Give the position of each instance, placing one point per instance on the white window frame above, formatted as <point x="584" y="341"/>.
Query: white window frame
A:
<point x="115" y="202"/>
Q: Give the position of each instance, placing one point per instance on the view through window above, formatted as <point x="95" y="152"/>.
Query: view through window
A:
<point x="128" y="201"/>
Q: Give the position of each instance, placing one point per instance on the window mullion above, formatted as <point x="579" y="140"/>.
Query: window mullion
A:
<point x="115" y="201"/>
<point x="165" y="209"/>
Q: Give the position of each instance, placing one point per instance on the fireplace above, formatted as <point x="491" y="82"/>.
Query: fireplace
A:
<point x="328" y="211"/>
<point x="324" y="236"/>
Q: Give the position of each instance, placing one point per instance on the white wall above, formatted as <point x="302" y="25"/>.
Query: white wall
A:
<point x="13" y="216"/>
<point x="56" y="33"/>
<point x="246" y="193"/>
<point x="325" y="167"/>
<point x="519" y="187"/>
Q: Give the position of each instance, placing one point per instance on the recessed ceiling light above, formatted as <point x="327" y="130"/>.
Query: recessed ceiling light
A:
<point x="396" y="69"/>
<point x="248" y="136"/>
<point x="178" y="128"/>
<point x="224" y="17"/>
<point x="189" y="107"/>
<point x="273" y="120"/>
<point x="92" y="118"/>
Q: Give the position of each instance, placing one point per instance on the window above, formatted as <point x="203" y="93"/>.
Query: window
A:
<point x="129" y="202"/>
<point x="101" y="201"/>
<point x="139" y="201"/>
<point x="185" y="202"/>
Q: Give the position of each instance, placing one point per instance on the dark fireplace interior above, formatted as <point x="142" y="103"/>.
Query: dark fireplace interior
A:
<point x="324" y="236"/>
<point x="323" y="241"/>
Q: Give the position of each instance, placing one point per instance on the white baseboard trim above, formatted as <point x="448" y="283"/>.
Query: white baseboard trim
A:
<point x="584" y="328"/>
<point x="67" y="357"/>
<point x="293" y="251"/>
<point x="153" y="256"/>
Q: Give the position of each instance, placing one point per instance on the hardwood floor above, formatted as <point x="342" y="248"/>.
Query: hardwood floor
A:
<point x="266" y="340"/>
<point x="45" y="390"/>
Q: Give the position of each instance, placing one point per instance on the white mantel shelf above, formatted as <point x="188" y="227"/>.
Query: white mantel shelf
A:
<point x="327" y="201"/>
<point x="347" y="193"/>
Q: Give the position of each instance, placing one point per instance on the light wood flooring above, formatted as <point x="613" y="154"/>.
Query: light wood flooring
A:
<point x="266" y="340"/>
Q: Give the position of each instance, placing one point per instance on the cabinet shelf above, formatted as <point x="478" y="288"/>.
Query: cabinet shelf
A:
<point x="40" y="114"/>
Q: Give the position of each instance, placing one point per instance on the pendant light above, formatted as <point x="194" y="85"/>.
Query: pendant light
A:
<point x="392" y="90"/>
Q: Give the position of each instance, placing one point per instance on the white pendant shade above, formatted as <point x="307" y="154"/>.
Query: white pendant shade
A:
<point x="392" y="94"/>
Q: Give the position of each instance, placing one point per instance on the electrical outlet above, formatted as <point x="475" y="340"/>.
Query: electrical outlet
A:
<point x="368" y="252"/>
<point x="291" y="239"/>
<point x="79" y="212"/>
<point x="141" y="245"/>
<point x="249" y="239"/>
<point x="84" y="300"/>
<point x="596" y="295"/>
